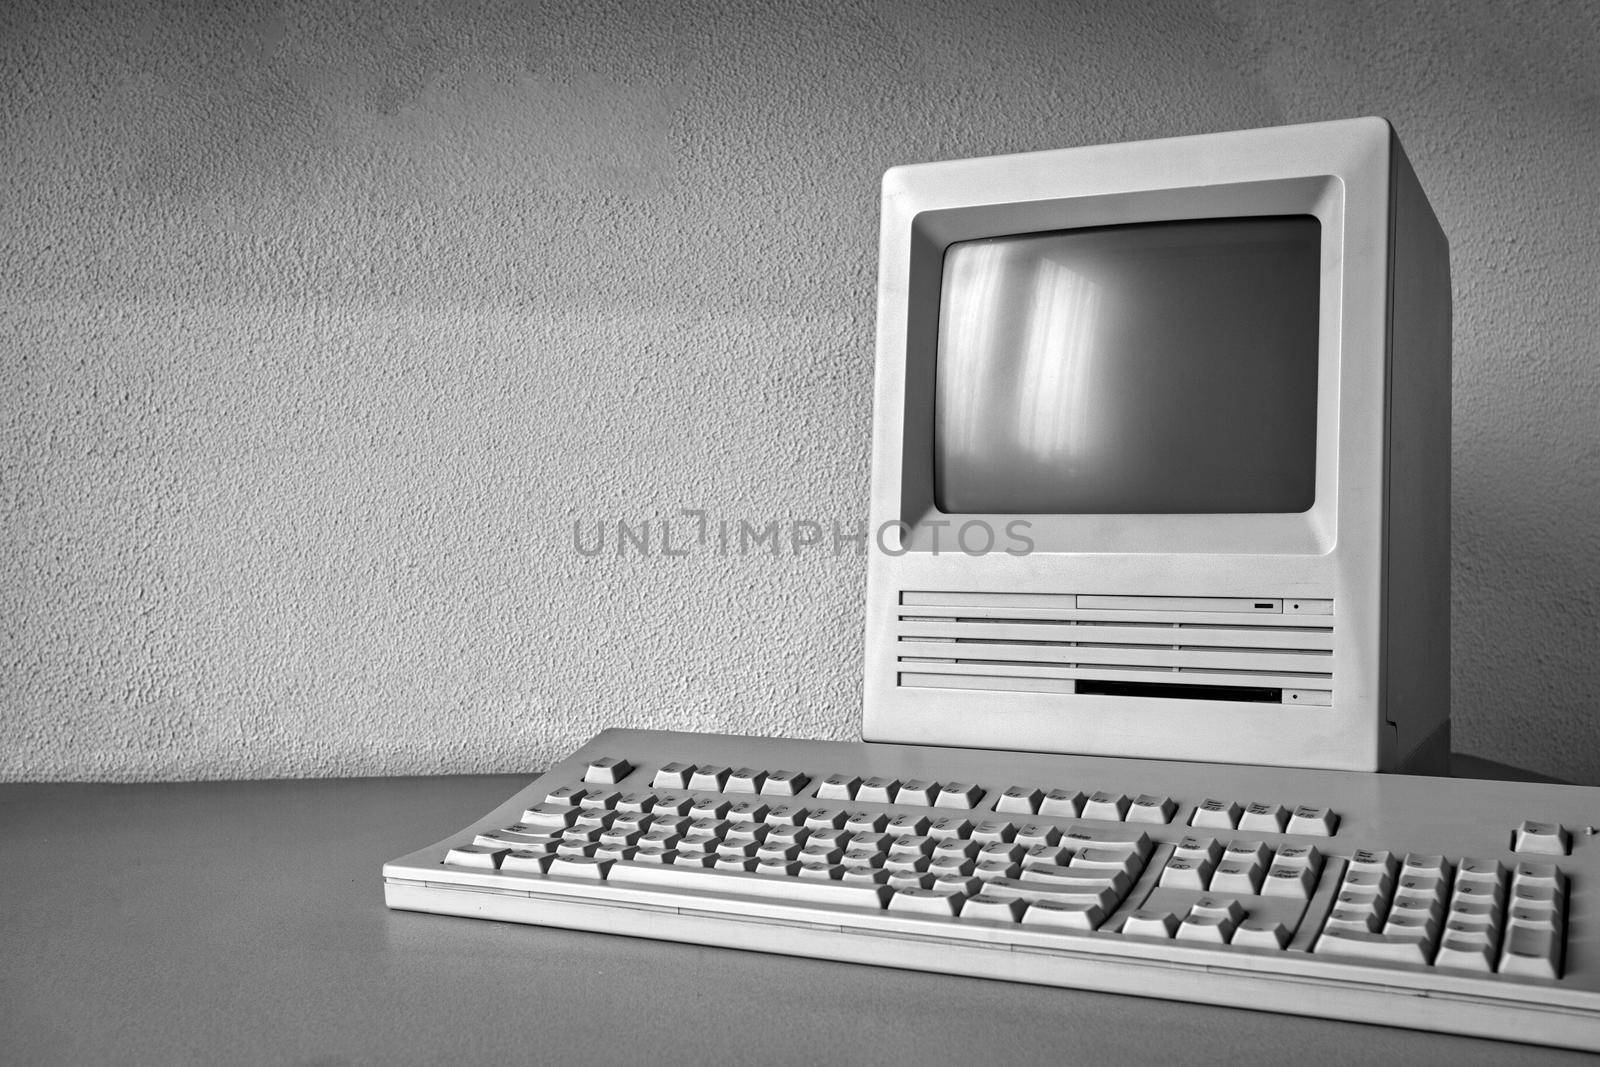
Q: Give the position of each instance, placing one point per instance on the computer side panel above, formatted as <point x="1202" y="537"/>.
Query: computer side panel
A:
<point x="1416" y="621"/>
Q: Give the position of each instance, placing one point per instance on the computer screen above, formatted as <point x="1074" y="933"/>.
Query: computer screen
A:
<point x="1155" y="368"/>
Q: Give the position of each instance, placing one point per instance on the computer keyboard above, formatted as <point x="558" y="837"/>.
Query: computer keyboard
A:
<point x="1450" y="905"/>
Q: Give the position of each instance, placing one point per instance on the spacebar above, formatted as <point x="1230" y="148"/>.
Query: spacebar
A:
<point x="742" y="883"/>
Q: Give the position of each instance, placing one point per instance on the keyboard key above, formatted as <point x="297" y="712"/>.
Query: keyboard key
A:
<point x="866" y="822"/>
<point x="1465" y="953"/>
<point x="1314" y="822"/>
<point x="673" y="776"/>
<point x="745" y="780"/>
<point x="786" y="833"/>
<point x="1077" y="878"/>
<point x="518" y="841"/>
<point x="1068" y="802"/>
<point x="949" y="826"/>
<point x="1531" y="952"/>
<point x="710" y="777"/>
<point x="956" y="847"/>
<point x="829" y="838"/>
<point x="635" y="803"/>
<point x="964" y="884"/>
<point x="1031" y="834"/>
<point x="672" y="804"/>
<point x="1198" y="848"/>
<point x="1479" y="870"/>
<point x="526" y="861"/>
<point x="829" y="854"/>
<point x="1107" y="859"/>
<point x="1100" y="896"/>
<point x="615" y="838"/>
<point x="594" y="817"/>
<point x="916" y="792"/>
<point x="992" y="831"/>
<point x="746" y="831"/>
<point x="778" y="851"/>
<point x="825" y="818"/>
<point x="480" y="856"/>
<point x="913" y="846"/>
<point x="940" y="865"/>
<point x="786" y="815"/>
<point x="1020" y="800"/>
<point x="1000" y="852"/>
<point x="1423" y="865"/>
<point x="820" y="871"/>
<point x="864" y="875"/>
<point x="1367" y="861"/>
<point x="989" y="870"/>
<point x="1236" y="876"/>
<point x="990" y="908"/>
<point x="1286" y="880"/>
<point x="776" y="866"/>
<point x="958" y="795"/>
<point x="1217" y="814"/>
<point x="904" y="879"/>
<point x="1419" y="927"/>
<point x="1214" y="929"/>
<point x="1535" y="873"/>
<point x="803" y="890"/>
<point x="587" y="868"/>
<point x="1151" y="809"/>
<point x="1271" y="818"/>
<point x="784" y="784"/>
<point x="747" y="811"/>
<point x="709" y="807"/>
<point x="607" y="770"/>
<point x="1126" y="840"/>
<point x="1354" y="944"/>
<point x="839" y="786"/>
<point x="1180" y="873"/>
<point x="1298" y="856"/>
<point x="1064" y="915"/>
<point x="1219" y="908"/>
<point x="926" y="902"/>
<point x="1354" y="918"/>
<point x="1150" y="923"/>
<point x="907" y="826"/>
<point x="1049" y="854"/>
<point x="550" y="816"/>
<point x="566" y="796"/>
<point x="878" y="790"/>
<point x="1261" y="933"/>
<point x="1103" y="805"/>
<point x="1544" y="838"/>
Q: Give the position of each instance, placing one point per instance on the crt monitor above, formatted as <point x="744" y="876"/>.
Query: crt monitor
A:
<point x="1161" y="456"/>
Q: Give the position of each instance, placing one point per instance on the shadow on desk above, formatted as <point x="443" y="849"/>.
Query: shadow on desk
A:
<point x="244" y="921"/>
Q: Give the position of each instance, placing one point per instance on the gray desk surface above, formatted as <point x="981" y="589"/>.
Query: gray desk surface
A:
<point x="226" y="922"/>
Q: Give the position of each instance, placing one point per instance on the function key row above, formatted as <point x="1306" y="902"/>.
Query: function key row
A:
<point x="1264" y="817"/>
<point x="1111" y="806"/>
<point x="1070" y="803"/>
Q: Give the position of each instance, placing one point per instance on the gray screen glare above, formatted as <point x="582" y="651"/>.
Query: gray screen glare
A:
<point x="1159" y="368"/>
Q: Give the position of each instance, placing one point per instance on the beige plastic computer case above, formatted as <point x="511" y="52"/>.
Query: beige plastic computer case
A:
<point x="1344" y="608"/>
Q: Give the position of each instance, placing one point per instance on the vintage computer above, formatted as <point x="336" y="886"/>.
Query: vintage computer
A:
<point x="1162" y="454"/>
<point x="1158" y="585"/>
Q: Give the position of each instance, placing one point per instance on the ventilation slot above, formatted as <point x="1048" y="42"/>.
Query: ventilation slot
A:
<point x="1255" y="650"/>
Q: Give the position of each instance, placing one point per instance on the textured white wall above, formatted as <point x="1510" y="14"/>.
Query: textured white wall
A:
<point x="322" y="324"/>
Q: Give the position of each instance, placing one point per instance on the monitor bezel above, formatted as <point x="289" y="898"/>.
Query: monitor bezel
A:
<point x="929" y="208"/>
